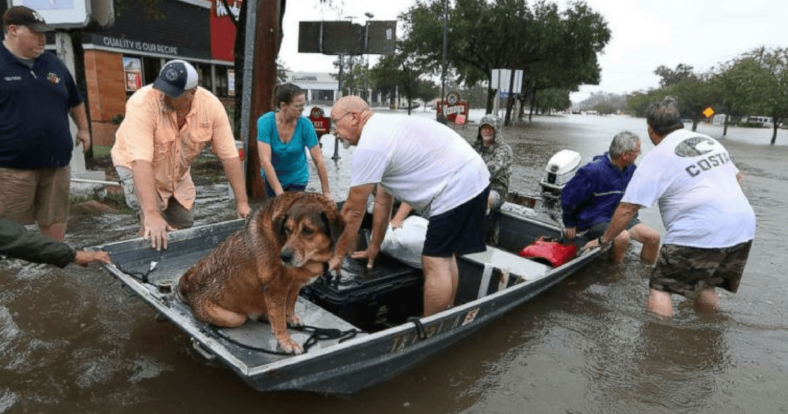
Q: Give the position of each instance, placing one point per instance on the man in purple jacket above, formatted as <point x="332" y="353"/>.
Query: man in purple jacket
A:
<point x="592" y="195"/>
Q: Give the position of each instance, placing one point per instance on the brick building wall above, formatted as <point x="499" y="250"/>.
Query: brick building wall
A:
<point x="106" y="93"/>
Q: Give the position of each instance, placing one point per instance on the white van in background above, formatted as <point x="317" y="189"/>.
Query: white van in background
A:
<point x="765" y="121"/>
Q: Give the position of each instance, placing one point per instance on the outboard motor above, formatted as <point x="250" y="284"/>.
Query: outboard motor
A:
<point x="559" y="170"/>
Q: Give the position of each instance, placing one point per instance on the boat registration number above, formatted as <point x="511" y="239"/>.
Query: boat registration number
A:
<point x="404" y="341"/>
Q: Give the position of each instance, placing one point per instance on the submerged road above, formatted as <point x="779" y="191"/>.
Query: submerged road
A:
<point x="73" y="340"/>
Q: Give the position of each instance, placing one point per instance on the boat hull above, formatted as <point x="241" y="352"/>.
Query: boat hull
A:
<point x="492" y="284"/>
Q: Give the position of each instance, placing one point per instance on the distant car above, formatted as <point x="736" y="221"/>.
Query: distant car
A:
<point x="686" y="121"/>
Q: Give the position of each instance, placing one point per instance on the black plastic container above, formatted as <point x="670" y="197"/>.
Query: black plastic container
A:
<point x="371" y="299"/>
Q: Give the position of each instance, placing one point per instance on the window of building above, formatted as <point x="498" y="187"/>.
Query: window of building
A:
<point x="322" y="95"/>
<point x="204" y="71"/>
<point x="221" y="81"/>
<point x="150" y="69"/>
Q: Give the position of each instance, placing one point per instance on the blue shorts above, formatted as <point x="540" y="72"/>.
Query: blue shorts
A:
<point x="458" y="231"/>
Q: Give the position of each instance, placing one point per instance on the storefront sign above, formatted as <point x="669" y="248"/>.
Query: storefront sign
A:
<point x="139" y="46"/>
<point x="235" y="8"/>
<point x="223" y="29"/>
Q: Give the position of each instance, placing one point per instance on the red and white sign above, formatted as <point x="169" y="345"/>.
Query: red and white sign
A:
<point x="452" y="107"/>
<point x="451" y="111"/>
<point x="132" y="70"/>
<point x="223" y="29"/>
<point x="319" y="121"/>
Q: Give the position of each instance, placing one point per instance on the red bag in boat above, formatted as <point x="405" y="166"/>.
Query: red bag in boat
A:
<point x="549" y="251"/>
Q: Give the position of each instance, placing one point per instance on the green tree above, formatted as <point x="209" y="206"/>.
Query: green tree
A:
<point x="769" y="84"/>
<point x="571" y="40"/>
<point x="385" y="76"/>
<point x="553" y="98"/>
<point x="553" y="48"/>
<point x="732" y="85"/>
<point x="476" y="43"/>
<point x="400" y="74"/>
<point x="637" y="102"/>
<point x="476" y="95"/>
<point x="754" y="83"/>
<point x="426" y="90"/>
<point x="694" y="94"/>
<point x="671" y="77"/>
<point x="604" y="103"/>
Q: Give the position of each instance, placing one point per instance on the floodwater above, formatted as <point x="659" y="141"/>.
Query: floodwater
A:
<point x="73" y="340"/>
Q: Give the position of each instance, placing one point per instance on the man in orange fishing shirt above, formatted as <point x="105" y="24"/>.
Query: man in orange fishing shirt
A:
<point x="167" y="125"/>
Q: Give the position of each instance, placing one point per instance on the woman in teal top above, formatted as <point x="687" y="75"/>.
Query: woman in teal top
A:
<point x="282" y="137"/>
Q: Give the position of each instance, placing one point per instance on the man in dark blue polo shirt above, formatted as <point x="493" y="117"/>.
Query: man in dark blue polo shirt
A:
<point x="37" y="94"/>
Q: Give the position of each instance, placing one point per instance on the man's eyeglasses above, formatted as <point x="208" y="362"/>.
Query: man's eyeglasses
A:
<point x="334" y="122"/>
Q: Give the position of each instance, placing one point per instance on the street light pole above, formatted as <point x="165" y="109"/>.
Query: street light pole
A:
<point x="366" y="67"/>
<point x="336" y="156"/>
<point x="445" y="51"/>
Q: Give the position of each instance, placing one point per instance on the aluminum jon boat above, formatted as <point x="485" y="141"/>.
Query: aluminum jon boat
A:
<point x="365" y="327"/>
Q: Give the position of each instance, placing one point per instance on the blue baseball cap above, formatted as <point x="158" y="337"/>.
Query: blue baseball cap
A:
<point x="176" y="77"/>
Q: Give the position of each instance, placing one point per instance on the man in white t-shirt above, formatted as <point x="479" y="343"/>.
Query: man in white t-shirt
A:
<point x="422" y="163"/>
<point x="709" y="222"/>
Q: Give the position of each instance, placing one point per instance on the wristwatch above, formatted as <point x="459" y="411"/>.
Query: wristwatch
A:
<point x="601" y="243"/>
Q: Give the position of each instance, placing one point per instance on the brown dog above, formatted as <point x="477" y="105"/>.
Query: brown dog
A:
<point x="259" y="270"/>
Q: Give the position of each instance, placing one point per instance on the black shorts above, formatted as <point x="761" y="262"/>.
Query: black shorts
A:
<point x="458" y="231"/>
<point x="688" y="270"/>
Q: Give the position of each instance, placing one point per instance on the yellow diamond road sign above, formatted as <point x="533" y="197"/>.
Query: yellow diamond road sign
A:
<point x="708" y="112"/>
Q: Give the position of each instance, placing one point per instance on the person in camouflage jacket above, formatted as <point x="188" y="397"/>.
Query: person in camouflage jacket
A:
<point x="498" y="155"/>
<point x="17" y="242"/>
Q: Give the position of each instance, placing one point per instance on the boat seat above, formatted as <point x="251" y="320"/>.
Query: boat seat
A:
<point x="511" y="266"/>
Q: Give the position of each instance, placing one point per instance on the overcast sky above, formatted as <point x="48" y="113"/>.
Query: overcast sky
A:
<point x="645" y="34"/>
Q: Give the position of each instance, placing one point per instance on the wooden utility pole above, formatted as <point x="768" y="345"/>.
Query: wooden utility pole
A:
<point x="266" y="48"/>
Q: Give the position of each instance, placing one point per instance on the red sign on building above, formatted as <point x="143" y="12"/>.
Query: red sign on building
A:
<point x="452" y="107"/>
<point x="459" y="108"/>
<point x="223" y="29"/>
<point x="319" y="121"/>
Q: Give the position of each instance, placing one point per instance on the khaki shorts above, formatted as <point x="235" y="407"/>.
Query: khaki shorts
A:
<point x="40" y="195"/>
<point x="176" y="214"/>
<point x="688" y="270"/>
